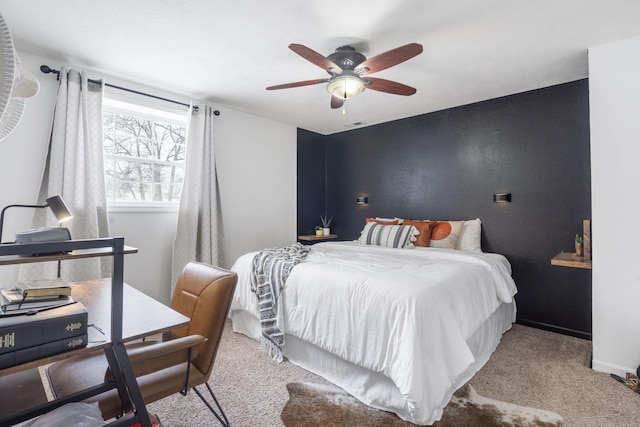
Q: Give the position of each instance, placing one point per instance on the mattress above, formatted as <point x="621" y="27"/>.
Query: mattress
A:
<point x="399" y="329"/>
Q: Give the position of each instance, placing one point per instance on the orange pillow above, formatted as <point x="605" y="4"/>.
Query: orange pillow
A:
<point x="424" y="227"/>
<point x="445" y="234"/>
<point x="383" y="222"/>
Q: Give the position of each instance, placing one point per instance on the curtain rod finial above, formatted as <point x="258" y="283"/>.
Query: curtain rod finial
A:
<point x="45" y="69"/>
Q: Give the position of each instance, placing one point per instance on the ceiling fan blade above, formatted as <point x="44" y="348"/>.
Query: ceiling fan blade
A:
<point x="336" y="102"/>
<point x="388" y="86"/>
<point x="298" y="84"/>
<point x="389" y="59"/>
<point x="316" y="58"/>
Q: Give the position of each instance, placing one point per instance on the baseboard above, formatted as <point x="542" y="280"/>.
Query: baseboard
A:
<point x="554" y="328"/>
<point x="610" y="368"/>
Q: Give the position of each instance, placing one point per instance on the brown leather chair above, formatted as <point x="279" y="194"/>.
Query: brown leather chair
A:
<point x="203" y="293"/>
<point x="20" y="392"/>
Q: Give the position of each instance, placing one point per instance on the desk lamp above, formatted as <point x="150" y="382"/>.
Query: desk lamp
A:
<point x="61" y="212"/>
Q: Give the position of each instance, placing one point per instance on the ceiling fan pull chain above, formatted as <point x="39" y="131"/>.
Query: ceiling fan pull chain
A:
<point x="344" y="100"/>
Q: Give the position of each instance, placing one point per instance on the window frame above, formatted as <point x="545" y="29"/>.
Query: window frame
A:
<point x="144" y="110"/>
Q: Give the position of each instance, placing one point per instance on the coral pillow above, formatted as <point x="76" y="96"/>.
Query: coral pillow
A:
<point x="383" y="221"/>
<point x="445" y="234"/>
<point x="424" y="227"/>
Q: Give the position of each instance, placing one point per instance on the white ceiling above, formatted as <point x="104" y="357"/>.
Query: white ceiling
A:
<point x="228" y="52"/>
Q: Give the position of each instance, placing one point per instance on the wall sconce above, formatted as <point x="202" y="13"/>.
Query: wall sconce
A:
<point x="362" y="200"/>
<point x="55" y="203"/>
<point x="501" y="197"/>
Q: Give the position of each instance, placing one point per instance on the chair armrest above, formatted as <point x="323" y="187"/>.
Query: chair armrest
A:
<point x="154" y="357"/>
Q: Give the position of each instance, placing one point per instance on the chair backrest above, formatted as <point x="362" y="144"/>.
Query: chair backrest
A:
<point x="203" y="293"/>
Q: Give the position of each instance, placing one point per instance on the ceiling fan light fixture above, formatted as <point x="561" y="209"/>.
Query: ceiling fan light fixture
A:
<point x="345" y="87"/>
<point x="349" y="71"/>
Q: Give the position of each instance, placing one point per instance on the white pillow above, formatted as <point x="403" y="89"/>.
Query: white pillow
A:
<point x="470" y="236"/>
<point x="392" y="236"/>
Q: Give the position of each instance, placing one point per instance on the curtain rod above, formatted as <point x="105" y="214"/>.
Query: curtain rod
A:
<point x="46" y="70"/>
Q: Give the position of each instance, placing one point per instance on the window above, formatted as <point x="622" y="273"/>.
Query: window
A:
<point x="144" y="152"/>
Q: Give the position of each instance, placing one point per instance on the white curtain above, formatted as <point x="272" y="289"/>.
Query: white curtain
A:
<point x="199" y="230"/>
<point x="74" y="169"/>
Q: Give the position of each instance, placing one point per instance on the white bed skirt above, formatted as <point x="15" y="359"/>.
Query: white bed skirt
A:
<point x="373" y="388"/>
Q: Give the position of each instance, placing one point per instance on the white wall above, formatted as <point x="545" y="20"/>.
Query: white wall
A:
<point x="22" y="157"/>
<point x="614" y="91"/>
<point x="152" y="233"/>
<point x="257" y="174"/>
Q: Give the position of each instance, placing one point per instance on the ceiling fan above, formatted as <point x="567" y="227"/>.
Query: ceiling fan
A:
<point x="349" y="71"/>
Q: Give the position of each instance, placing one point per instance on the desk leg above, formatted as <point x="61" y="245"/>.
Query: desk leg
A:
<point x="131" y="383"/>
<point x="119" y="379"/>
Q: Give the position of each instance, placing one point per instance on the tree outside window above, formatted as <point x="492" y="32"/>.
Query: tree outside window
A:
<point x="144" y="157"/>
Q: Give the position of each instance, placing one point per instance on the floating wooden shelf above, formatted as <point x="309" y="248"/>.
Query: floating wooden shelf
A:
<point x="567" y="259"/>
<point x="313" y="237"/>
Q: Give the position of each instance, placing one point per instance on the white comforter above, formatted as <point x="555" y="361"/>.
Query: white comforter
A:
<point x="406" y="313"/>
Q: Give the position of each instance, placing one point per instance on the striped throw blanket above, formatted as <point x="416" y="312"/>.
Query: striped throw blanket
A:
<point x="271" y="267"/>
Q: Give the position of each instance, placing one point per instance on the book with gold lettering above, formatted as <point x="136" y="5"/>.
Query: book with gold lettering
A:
<point x="54" y="324"/>
<point x="43" y="350"/>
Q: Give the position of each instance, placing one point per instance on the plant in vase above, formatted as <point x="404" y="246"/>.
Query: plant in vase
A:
<point x="326" y="223"/>
<point x="578" y="242"/>
<point x="318" y="230"/>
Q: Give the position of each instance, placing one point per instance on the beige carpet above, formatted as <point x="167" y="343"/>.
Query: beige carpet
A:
<point x="531" y="367"/>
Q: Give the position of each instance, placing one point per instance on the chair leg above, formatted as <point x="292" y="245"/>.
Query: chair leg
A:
<point x="225" y="421"/>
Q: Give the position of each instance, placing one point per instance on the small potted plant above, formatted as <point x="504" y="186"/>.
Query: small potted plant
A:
<point x="326" y="223"/>
<point x="578" y="241"/>
<point x="318" y="230"/>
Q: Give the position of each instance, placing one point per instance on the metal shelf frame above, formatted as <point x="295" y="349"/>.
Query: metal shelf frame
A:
<point x="124" y="378"/>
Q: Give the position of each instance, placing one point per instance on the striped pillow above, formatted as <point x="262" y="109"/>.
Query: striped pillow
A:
<point x="391" y="236"/>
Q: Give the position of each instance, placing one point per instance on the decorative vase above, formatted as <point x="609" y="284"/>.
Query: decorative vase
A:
<point x="319" y="232"/>
<point x="578" y="251"/>
<point x="326" y="231"/>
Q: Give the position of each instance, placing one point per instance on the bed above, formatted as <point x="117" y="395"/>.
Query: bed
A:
<point x="399" y="328"/>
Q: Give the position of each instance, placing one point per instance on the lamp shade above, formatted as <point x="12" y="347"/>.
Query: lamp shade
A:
<point x="345" y="86"/>
<point x="59" y="208"/>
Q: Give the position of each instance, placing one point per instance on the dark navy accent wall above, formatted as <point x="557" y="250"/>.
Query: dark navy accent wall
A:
<point x="447" y="165"/>
<point x="311" y="181"/>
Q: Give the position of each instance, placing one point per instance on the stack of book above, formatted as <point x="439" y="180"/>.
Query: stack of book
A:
<point x="39" y="319"/>
<point x="35" y="295"/>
